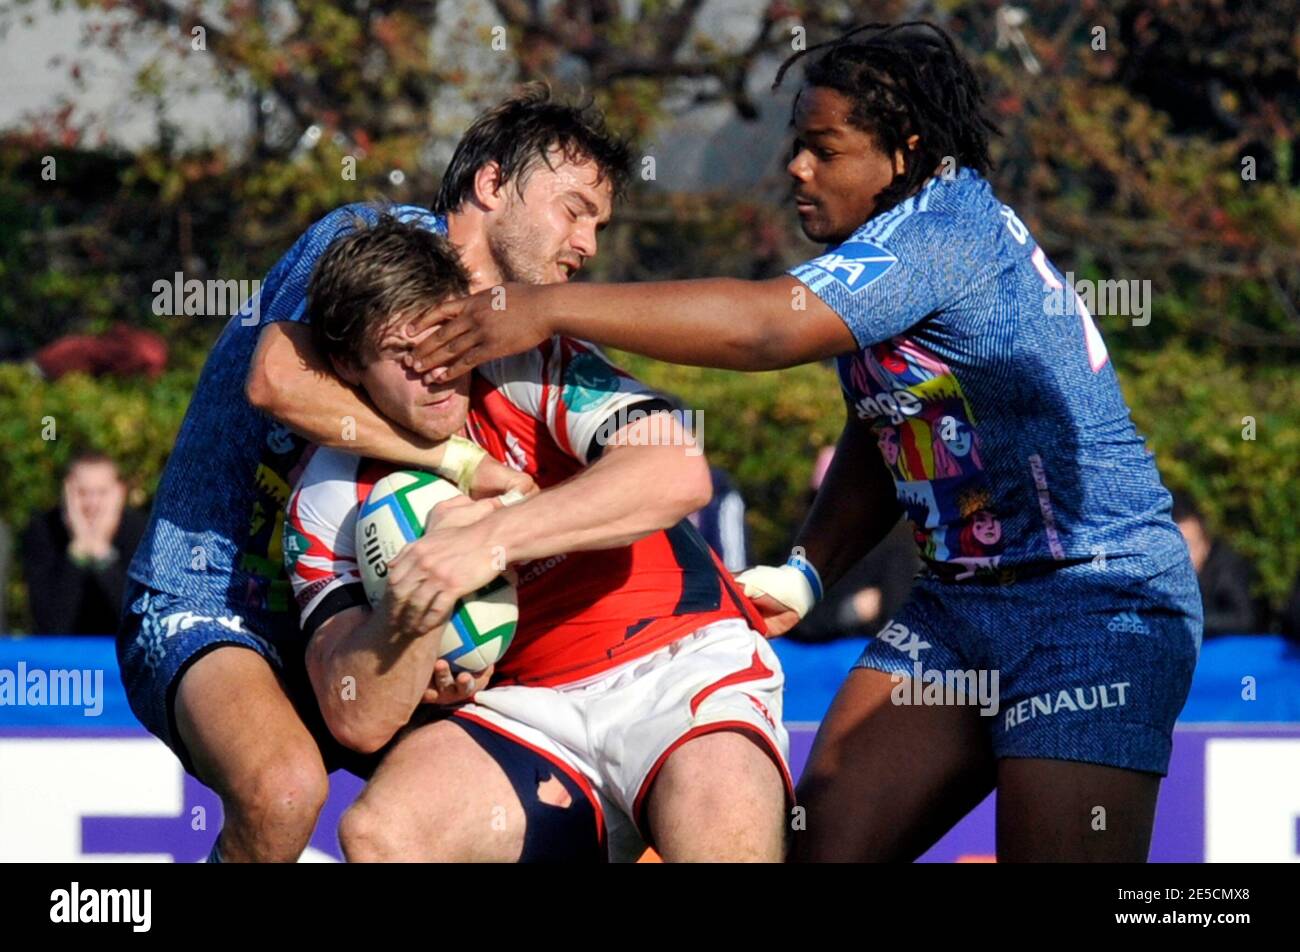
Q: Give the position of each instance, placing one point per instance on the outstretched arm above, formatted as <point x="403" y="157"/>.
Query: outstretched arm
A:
<point x="715" y="322"/>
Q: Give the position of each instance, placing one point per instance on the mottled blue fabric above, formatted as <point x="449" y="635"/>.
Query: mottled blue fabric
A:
<point x="990" y="392"/>
<point x="1091" y="664"/>
<point x="161" y="636"/>
<point x="215" y="530"/>
<point x="209" y="571"/>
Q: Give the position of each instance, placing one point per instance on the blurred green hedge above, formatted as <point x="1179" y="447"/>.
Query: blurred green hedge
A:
<point x="764" y="429"/>
<point x="1196" y="410"/>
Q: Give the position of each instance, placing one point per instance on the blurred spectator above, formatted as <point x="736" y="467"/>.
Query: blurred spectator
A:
<point x="121" y="350"/>
<point x="75" y="557"/>
<point x="1226" y="579"/>
<point x="722" y="522"/>
<point x="869" y="594"/>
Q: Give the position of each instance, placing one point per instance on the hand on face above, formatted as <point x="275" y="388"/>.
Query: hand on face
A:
<point x="433" y="411"/>
<point x="543" y="236"/>
<point x="457" y="336"/>
<point x="93" y="500"/>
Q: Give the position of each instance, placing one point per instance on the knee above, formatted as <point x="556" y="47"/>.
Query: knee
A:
<point x="286" y="794"/>
<point x="370" y="835"/>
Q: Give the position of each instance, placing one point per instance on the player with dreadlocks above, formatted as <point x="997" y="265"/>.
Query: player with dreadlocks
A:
<point x="1049" y="642"/>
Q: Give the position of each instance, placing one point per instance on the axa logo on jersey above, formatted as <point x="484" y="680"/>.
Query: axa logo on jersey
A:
<point x="855" y="264"/>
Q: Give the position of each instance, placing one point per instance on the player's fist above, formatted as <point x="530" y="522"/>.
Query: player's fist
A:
<point x="446" y="688"/>
<point x="493" y="479"/>
<point x="781" y="593"/>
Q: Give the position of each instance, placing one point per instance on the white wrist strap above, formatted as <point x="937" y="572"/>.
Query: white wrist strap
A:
<point x="460" y="461"/>
<point x="785" y="583"/>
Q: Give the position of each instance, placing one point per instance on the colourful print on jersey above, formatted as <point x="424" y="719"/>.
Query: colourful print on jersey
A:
<point x="262" y="556"/>
<point x="927" y="435"/>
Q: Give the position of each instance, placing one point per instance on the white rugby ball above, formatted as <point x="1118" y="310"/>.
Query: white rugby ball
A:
<point x="394" y="515"/>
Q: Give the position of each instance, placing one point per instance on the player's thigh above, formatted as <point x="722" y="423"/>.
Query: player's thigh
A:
<point x="1061" y="811"/>
<point x="437" y="796"/>
<point x="720" y="796"/>
<point x="1093" y="680"/>
<point x="692" y="741"/>
<point x="243" y="736"/>
<point x="885" y="780"/>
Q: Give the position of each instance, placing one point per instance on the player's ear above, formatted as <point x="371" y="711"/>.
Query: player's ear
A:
<point x="488" y="190"/>
<point x="900" y="163"/>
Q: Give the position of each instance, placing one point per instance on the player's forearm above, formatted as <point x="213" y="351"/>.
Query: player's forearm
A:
<point x="629" y="493"/>
<point x="715" y="322"/>
<point x="368" y="682"/>
<point x="290" y="382"/>
<point x="854" y="510"/>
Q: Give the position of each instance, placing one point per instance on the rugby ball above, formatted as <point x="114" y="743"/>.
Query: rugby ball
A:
<point x="394" y="515"/>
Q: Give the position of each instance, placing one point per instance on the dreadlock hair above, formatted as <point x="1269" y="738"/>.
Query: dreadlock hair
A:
<point x="905" y="79"/>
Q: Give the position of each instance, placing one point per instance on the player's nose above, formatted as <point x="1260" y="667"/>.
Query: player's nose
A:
<point x="798" y="166"/>
<point x="584" y="241"/>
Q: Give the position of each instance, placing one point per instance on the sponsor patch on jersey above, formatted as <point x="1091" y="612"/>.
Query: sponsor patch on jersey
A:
<point x="295" y="546"/>
<point x="588" y="380"/>
<point x="856" y="264"/>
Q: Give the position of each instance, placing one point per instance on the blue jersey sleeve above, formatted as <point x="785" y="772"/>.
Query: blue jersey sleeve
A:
<point x="284" y="293"/>
<point x="896" y="270"/>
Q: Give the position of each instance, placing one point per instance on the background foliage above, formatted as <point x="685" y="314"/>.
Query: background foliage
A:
<point x="1126" y="162"/>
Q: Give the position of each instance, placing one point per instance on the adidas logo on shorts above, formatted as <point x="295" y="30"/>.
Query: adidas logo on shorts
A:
<point x="1130" y="622"/>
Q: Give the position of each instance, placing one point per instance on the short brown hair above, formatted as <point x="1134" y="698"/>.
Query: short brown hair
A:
<point x="520" y="133"/>
<point x="89" y="457"/>
<point x="373" y="274"/>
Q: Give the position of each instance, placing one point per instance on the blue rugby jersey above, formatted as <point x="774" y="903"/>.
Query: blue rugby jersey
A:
<point x="989" y="390"/>
<point x="214" y="534"/>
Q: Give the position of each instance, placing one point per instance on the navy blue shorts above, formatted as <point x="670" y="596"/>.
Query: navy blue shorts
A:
<point x="552" y="834"/>
<point x="1084" y="663"/>
<point x="162" y="634"/>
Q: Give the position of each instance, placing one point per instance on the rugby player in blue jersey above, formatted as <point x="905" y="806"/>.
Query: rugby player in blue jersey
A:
<point x="209" y="648"/>
<point x="985" y="412"/>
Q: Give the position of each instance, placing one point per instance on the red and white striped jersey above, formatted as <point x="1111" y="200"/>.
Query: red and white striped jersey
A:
<point x="549" y="413"/>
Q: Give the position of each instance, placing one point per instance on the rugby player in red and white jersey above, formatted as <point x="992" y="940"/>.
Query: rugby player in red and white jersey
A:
<point x="639" y="701"/>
